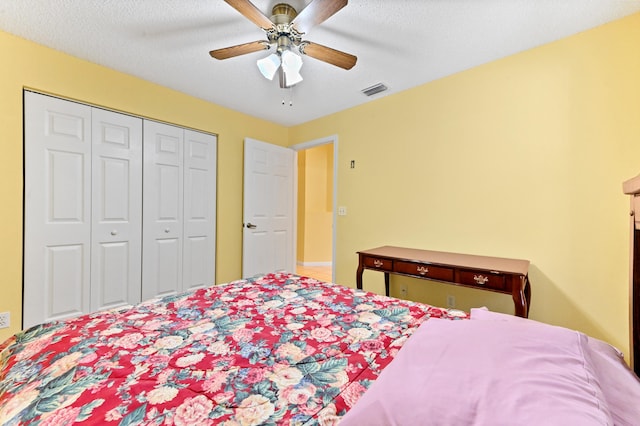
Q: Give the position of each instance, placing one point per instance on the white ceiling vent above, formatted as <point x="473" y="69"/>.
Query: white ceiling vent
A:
<point x="376" y="88"/>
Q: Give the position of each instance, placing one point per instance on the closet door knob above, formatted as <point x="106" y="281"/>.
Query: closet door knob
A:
<point x="166" y="230"/>
<point x="114" y="232"/>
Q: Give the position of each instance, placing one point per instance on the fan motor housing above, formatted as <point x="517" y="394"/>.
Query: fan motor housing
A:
<point x="283" y="13"/>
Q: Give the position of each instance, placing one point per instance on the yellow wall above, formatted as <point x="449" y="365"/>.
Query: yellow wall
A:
<point x="315" y="204"/>
<point x="522" y="157"/>
<point x="26" y="64"/>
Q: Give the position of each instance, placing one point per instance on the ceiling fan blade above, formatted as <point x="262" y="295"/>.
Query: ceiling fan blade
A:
<point x="240" y="49"/>
<point x="252" y="13"/>
<point x="316" y="12"/>
<point x="329" y="55"/>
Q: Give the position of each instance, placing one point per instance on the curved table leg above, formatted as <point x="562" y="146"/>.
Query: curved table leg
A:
<point x="386" y="284"/>
<point x="359" y="279"/>
<point x="521" y="294"/>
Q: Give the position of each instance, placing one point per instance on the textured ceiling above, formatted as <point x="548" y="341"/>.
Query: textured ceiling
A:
<point x="401" y="43"/>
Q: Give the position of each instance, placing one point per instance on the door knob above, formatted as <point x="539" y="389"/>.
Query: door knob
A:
<point x="251" y="226"/>
<point x="166" y="230"/>
<point x="114" y="232"/>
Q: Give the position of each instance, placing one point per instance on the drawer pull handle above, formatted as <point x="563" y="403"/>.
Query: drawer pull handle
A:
<point x="480" y="279"/>
<point x="422" y="270"/>
<point x="377" y="263"/>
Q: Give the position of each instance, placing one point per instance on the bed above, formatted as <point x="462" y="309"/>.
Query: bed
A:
<point x="277" y="348"/>
<point x="285" y="349"/>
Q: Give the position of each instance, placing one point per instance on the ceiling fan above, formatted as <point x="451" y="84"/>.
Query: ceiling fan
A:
<point x="284" y="32"/>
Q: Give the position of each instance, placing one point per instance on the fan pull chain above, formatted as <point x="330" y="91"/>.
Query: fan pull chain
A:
<point x="290" y="97"/>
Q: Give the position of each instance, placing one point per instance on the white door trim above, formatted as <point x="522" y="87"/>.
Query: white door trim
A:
<point x="311" y="144"/>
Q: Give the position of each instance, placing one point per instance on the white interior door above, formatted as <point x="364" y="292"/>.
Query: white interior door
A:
<point x="268" y="235"/>
<point x="116" y="235"/>
<point x="162" y="210"/>
<point x="57" y="209"/>
<point x="199" y="251"/>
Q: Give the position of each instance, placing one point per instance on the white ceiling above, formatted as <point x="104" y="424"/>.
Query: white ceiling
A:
<point x="401" y="43"/>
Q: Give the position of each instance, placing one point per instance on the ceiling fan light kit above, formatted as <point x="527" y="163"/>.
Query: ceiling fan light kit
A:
<point x="284" y="30"/>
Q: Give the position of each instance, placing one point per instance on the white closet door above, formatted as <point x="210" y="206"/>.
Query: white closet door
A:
<point x="116" y="247"/>
<point x="57" y="209"/>
<point x="162" y="210"/>
<point x="93" y="239"/>
<point x="199" y="210"/>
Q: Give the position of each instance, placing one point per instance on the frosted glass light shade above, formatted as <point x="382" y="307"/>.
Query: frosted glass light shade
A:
<point x="269" y="66"/>
<point x="292" y="78"/>
<point x="291" y="62"/>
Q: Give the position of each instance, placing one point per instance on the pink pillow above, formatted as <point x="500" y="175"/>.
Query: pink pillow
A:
<point x="485" y="314"/>
<point x="620" y="386"/>
<point x="486" y="373"/>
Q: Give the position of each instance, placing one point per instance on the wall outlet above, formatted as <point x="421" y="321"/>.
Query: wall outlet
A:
<point x="342" y="211"/>
<point x="403" y="291"/>
<point x="451" y="301"/>
<point x="4" y="320"/>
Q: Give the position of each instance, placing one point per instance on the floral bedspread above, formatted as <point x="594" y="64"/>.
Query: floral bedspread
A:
<point x="275" y="349"/>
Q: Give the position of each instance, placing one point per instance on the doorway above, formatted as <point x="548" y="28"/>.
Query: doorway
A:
<point x="316" y="198"/>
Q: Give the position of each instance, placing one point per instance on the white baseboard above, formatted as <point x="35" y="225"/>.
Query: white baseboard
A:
<point x="314" y="263"/>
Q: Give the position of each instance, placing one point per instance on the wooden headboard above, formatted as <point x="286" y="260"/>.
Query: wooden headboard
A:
<point x="632" y="187"/>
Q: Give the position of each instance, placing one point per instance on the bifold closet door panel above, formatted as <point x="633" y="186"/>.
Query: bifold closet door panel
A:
<point x="162" y="210"/>
<point x="116" y="235"/>
<point x="57" y="214"/>
<point x="199" y="210"/>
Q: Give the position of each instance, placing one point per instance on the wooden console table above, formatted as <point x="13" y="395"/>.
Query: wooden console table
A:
<point x="498" y="274"/>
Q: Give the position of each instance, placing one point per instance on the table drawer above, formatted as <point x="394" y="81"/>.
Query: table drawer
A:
<point x="483" y="279"/>
<point x="424" y="270"/>
<point x="377" y="263"/>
